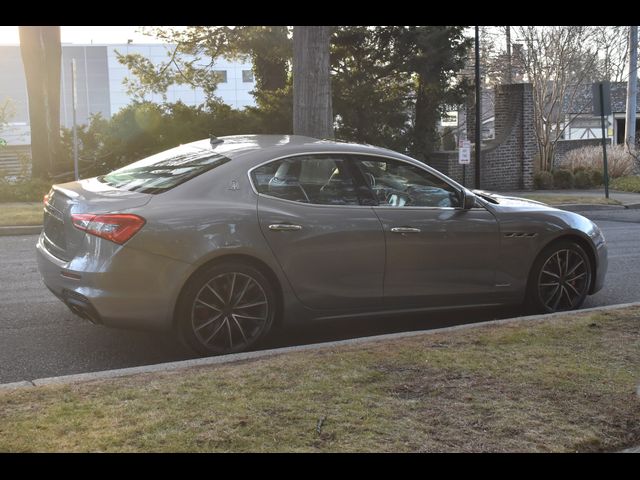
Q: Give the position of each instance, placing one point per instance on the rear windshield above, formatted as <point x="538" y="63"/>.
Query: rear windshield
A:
<point x="165" y="170"/>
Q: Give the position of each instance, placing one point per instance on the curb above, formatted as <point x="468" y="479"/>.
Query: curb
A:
<point x="20" y="230"/>
<point x="583" y="207"/>
<point x="239" y="357"/>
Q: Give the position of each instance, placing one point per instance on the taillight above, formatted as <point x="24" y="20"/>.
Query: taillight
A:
<point x="116" y="227"/>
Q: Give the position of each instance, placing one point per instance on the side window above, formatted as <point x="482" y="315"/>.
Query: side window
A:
<point x="318" y="179"/>
<point x="399" y="184"/>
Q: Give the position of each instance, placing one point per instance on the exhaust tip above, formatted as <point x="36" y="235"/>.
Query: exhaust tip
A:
<point x="81" y="306"/>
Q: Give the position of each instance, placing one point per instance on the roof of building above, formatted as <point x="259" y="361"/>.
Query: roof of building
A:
<point x="580" y="99"/>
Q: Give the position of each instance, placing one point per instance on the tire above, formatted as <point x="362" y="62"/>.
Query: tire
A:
<point x="560" y="278"/>
<point x="225" y="308"/>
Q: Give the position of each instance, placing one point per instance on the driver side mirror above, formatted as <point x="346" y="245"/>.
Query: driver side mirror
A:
<point x="468" y="200"/>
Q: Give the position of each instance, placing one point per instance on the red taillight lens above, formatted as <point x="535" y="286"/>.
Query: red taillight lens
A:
<point x="116" y="227"/>
<point x="45" y="200"/>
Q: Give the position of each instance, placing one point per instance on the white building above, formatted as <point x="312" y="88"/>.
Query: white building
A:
<point x="100" y="87"/>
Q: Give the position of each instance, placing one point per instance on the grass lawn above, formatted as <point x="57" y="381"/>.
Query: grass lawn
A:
<point x="630" y="183"/>
<point x="557" y="385"/>
<point x="21" y="213"/>
<point x="570" y="199"/>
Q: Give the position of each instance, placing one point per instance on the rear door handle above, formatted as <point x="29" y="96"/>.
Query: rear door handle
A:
<point x="405" y="230"/>
<point x="285" y="227"/>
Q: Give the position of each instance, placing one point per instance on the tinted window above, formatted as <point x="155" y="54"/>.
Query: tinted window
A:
<point x="164" y="170"/>
<point x="400" y="184"/>
<point x="319" y="179"/>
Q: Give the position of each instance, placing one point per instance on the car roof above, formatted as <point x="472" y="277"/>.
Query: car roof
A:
<point x="233" y="146"/>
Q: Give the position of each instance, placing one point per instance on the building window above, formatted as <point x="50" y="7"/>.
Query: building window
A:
<point x="247" y="76"/>
<point x="220" y="75"/>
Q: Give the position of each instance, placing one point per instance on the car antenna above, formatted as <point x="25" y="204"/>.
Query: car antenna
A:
<point x="213" y="140"/>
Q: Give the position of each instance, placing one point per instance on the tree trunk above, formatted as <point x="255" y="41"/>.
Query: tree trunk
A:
<point x="426" y="119"/>
<point x="41" y="55"/>
<point x="312" y="109"/>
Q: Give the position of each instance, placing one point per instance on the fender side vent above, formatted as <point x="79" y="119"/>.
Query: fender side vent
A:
<point x="520" y="235"/>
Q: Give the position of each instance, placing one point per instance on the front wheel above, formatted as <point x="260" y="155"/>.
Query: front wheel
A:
<point x="560" y="278"/>
<point x="226" y="308"/>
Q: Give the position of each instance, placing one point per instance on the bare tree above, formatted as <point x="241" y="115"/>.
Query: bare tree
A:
<point x="312" y="108"/>
<point x="612" y="43"/>
<point x="558" y="61"/>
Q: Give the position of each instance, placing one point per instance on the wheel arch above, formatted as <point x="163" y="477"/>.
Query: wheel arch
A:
<point x="575" y="237"/>
<point x="245" y="259"/>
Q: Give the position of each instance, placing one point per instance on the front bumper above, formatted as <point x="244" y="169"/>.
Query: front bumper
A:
<point x="602" y="264"/>
<point x="115" y="285"/>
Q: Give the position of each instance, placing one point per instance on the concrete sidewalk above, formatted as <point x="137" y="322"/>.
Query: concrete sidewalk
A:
<point x="627" y="199"/>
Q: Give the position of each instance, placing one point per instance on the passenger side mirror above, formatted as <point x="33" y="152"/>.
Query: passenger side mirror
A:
<point x="468" y="200"/>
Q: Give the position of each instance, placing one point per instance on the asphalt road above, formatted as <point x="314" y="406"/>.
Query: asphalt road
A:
<point x="39" y="337"/>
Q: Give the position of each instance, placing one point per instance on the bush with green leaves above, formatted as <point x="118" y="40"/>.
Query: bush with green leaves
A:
<point x="597" y="177"/>
<point x="144" y="128"/>
<point x="23" y="190"/>
<point x="543" y="180"/>
<point x="563" y="178"/>
<point x="630" y="183"/>
<point x="582" y="179"/>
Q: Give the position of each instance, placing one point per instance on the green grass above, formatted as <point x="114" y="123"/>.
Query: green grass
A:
<point x="570" y="199"/>
<point x="630" y="183"/>
<point x="557" y="385"/>
<point x="21" y="213"/>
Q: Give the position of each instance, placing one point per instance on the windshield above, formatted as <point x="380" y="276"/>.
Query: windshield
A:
<point x="164" y="170"/>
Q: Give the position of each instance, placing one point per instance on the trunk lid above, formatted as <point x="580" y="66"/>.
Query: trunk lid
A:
<point x="61" y="238"/>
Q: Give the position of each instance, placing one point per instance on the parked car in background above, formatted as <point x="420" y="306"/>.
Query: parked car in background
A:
<point x="222" y="239"/>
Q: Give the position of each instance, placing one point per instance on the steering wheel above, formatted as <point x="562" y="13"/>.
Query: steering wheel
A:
<point x="304" y="192"/>
<point x="371" y="179"/>
<point x="389" y="192"/>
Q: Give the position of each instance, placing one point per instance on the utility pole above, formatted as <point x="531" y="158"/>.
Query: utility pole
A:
<point x="509" y="64"/>
<point x="478" y="109"/>
<point x="632" y="91"/>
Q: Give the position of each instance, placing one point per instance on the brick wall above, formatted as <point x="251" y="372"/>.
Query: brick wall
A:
<point x="507" y="161"/>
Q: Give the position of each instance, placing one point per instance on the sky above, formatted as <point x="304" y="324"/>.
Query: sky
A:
<point x="85" y="34"/>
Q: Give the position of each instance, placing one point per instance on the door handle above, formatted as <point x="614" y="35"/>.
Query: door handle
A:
<point x="405" y="230"/>
<point x="285" y="227"/>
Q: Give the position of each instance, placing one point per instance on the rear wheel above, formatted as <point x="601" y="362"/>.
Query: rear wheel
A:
<point x="560" y="278"/>
<point x="225" y="308"/>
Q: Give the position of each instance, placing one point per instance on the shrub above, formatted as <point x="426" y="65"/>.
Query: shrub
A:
<point x="543" y="180"/>
<point x="597" y="177"/>
<point x="583" y="179"/>
<point x="630" y="183"/>
<point x="619" y="161"/>
<point x="563" y="178"/>
<point x="23" y="190"/>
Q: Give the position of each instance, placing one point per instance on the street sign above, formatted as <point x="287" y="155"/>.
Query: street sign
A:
<point x="464" y="153"/>
<point x="602" y="108"/>
<point x="601" y="92"/>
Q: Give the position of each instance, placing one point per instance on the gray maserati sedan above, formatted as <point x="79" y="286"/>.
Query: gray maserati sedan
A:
<point x="225" y="238"/>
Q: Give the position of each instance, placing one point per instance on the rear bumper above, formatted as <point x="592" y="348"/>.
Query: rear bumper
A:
<point x="115" y="286"/>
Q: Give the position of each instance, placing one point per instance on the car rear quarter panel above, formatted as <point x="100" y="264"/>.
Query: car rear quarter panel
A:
<point x="210" y="217"/>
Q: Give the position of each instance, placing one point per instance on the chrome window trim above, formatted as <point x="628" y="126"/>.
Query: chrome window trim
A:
<point x="414" y="163"/>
